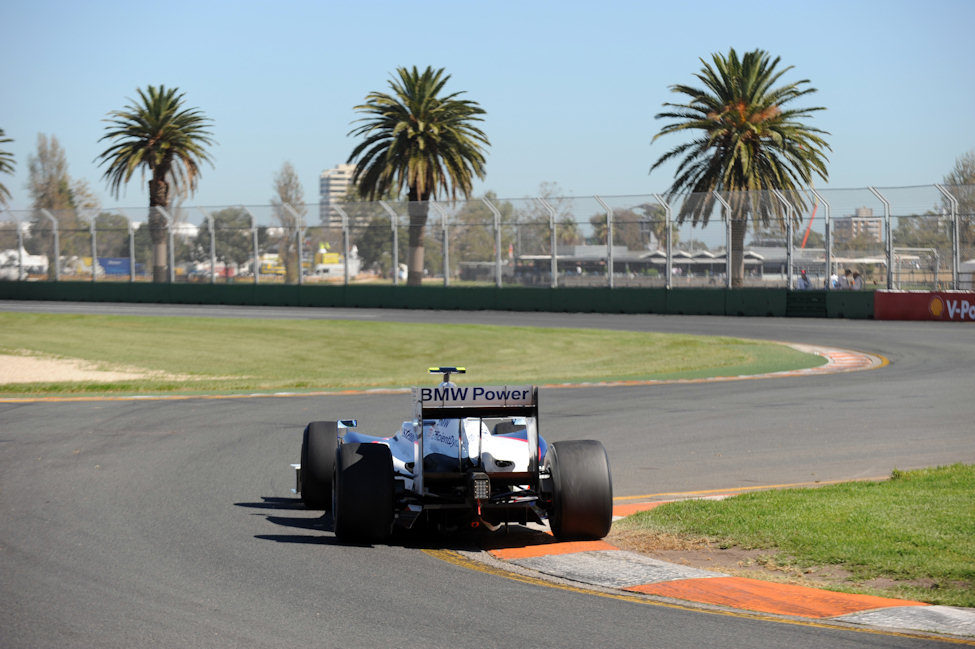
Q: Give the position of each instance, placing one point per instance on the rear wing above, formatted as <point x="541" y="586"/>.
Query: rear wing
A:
<point x="453" y="402"/>
<point x="448" y="401"/>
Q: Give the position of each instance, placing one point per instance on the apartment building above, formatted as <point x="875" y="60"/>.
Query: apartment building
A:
<point x="333" y="186"/>
<point x="863" y="224"/>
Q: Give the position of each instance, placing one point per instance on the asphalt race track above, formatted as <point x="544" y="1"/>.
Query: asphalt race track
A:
<point x="170" y="523"/>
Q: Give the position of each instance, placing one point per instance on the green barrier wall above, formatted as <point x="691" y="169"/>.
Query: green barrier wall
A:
<point x="740" y="302"/>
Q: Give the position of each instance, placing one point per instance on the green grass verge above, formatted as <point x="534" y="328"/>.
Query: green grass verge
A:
<point x="912" y="536"/>
<point x="223" y="354"/>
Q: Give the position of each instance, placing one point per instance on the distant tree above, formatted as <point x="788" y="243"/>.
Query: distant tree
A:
<point x="568" y="233"/>
<point x="370" y="231"/>
<point x="289" y="211"/>
<point x="143" y="245"/>
<point x="417" y="139"/>
<point x="963" y="173"/>
<point x="156" y="133"/>
<point x="374" y="241"/>
<point x="472" y="230"/>
<point x="112" y="232"/>
<point x="930" y="235"/>
<point x="814" y="240"/>
<point x="655" y="221"/>
<point x="927" y="231"/>
<point x="6" y="167"/>
<point x="532" y="222"/>
<point x="8" y="235"/>
<point x="67" y="201"/>
<point x="631" y="228"/>
<point x="233" y="244"/>
<point x="961" y="183"/>
<point x="861" y="243"/>
<point x="746" y="141"/>
<point x="48" y="182"/>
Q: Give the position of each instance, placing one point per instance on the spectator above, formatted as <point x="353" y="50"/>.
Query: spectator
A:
<point x="845" y="279"/>
<point x="857" y="283"/>
<point x="804" y="284"/>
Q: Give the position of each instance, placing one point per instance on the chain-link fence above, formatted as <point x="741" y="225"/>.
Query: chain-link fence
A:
<point x="903" y="237"/>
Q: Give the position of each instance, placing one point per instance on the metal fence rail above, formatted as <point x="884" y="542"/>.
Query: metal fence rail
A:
<point x="919" y="237"/>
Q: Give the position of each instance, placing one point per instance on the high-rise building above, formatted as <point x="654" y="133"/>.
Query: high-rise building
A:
<point x="333" y="186"/>
<point x="863" y="225"/>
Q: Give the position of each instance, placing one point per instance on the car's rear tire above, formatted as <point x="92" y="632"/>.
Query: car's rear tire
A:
<point x="582" y="490"/>
<point x="318" y="445"/>
<point x="363" y="493"/>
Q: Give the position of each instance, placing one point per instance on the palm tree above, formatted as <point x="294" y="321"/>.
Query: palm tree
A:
<point x="156" y="133"/>
<point x="746" y="143"/>
<point x="415" y="138"/>
<point x="6" y="167"/>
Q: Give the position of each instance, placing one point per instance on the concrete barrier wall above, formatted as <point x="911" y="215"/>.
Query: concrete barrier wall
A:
<point x="690" y="301"/>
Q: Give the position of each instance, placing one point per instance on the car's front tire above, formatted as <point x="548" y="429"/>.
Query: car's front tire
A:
<point x="582" y="490"/>
<point x="363" y="493"/>
<point x="318" y="444"/>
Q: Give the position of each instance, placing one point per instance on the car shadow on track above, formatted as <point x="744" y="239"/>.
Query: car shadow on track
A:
<point x="321" y="524"/>
<point x="269" y="502"/>
<point x="422" y="537"/>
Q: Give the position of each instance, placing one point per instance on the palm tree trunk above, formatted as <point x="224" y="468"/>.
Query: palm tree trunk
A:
<point x="158" y="197"/>
<point x="418" y="209"/>
<point x="739" y="227"/>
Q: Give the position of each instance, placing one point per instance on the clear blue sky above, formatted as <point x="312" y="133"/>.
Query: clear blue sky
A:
<point x="570" y="88"/>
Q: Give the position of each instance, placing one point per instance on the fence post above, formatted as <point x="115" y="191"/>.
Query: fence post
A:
<point x="257" y="258"/>
<point x="57" y="244"/>
<point x="789" y="209"/>
<point x="345" y="242"/>
<point x="727" y="239"/>
<point x="497" y="240"/>
<point x="20" y="250"/>
<point x="131" y="230"/>
<point x="790" y="244"/>
<point x="394" y="222"/>
<point x="213" y="244"/>
<point x="955" y="241"/>
<point x="609" y="239"/>
<point x="828" y="236"/>
<point x="554" y="281"/>
<point x="213" y="250"/>
<point x="668" y="268"/>
<point x="20" y="253"/>
<point x="445" y="244"/>
<point x="94" y="246"/>
<point x="299" y="240"/>
<point x="889" y="252"/>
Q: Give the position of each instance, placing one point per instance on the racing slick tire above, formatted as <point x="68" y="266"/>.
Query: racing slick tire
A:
<point x="318" y="463"/>
<point x="582" y="490"/>
<point x="363" y="493"/>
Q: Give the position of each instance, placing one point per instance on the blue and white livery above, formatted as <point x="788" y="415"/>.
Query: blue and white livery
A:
<point x="470" y="455"/>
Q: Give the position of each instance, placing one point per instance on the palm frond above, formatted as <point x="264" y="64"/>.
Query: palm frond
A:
<point x="6" y="166"/>
<point x="747" y="134"/>
<point x="412" y="137"/>
<point x="155" y="133"/>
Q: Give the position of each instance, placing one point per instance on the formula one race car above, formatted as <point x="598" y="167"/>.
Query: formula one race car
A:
<point x="470" y="455"/>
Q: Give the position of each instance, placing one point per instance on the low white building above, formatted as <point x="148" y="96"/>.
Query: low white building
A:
<point x="19" y="264"/>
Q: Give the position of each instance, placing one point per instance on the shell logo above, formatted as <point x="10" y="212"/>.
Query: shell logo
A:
<point x="936" y="307"/>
